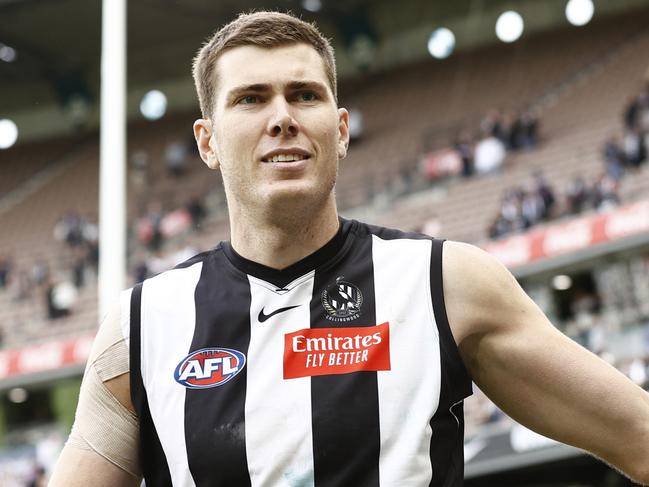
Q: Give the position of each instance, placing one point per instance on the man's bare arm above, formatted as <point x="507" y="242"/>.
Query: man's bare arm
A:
<point x="102" y="450"/>
<point x="534" y="373"/>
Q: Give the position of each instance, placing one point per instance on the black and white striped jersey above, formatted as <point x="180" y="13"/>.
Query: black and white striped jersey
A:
<point x="340" y="370"/>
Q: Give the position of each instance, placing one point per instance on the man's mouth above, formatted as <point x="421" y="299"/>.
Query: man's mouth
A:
<point x="286" y="158"/>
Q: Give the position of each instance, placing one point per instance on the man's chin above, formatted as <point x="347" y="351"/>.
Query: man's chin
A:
<point x="294" y="193"/>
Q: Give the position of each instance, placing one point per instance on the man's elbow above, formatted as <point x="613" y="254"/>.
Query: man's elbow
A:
<point x="636" y="460"/>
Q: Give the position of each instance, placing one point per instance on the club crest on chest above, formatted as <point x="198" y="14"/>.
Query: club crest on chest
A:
<point x="342" y="301"/>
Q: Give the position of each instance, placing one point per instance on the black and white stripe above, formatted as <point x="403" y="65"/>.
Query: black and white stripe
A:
<point x="401" y="426"/>
<point x="278" y="412"/>
<point x="345" y="413"/>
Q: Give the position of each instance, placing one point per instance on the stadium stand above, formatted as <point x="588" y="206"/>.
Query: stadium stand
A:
<point x="578" y="111"/>
<point x="576" y="121"/>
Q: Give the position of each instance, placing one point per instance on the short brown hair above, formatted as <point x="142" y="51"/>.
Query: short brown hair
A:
<point x="263" y="29"/>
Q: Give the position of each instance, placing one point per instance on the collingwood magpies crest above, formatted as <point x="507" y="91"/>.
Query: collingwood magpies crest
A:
<point x="342" y="301"/>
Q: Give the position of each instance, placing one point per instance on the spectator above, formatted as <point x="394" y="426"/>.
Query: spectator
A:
<point x="141" y="271"/>
<point x="80" y="259"/>
<point x="635" y="150"/>
<point x="498" y="228"/>
<point x="546" y="193"/>
<point x="532" y="208"/>
<point x="154" y="218"/>
<point x="614" y="158"/>
<point x="631" y="113"/>
<point x="464" y="147"/>
<point x="507" y="132"/>
<point x="606" y="192"/>
<point x="356" y="125"/>
<point x="197" y="212"/>
<point x="643" y="110"/>
<point x="489" y="156"/>
<point x="491" y="124"/>
<point x="20" y="285"/>
<point x="577" y="195"/>
<point x="40" y="272"/>
<point x="529" y="122"/>
<point x="91" y="239"/>
<point x="60" y="296"/>
<point x="511" y="212"/>
<point x="5" y="270"/>
<point x="175" y="158"/>
<point x="69" y="229"/>
<point x="140" y="164"/>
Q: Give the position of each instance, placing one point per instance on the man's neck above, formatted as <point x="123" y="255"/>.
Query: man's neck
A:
<point x="279" y="242"/>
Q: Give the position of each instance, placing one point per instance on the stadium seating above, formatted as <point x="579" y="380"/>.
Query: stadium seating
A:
<point x="570" y="74"/>
<point x="575" y="123"/>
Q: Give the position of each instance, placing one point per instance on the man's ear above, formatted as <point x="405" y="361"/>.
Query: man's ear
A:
<point x="204" y="141"/>
<point x="343" y="132"/>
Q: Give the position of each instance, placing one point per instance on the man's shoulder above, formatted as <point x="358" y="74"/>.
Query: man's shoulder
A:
<point x="479" y="291"/>
<point x="195" y="259"/>
<point x="171" y="275"/>
<point x="363" y="229"/>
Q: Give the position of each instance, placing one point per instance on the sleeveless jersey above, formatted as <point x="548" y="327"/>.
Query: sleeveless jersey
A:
<point x="338" y="371"/>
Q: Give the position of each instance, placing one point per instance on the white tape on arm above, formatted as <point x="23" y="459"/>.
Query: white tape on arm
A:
<point x="102" y="423"/>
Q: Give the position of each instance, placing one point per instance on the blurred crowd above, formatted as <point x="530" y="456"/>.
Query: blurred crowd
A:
<point x="53" y="291"/>
<point x="523" y="207"/>
<point x="50" y="285"/>
<point x="500" y="133"/>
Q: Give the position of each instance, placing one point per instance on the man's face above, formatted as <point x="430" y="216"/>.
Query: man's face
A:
<point x="276" y="133"/>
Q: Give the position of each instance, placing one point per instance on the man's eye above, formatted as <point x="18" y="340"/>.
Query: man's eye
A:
<point x="307" y="96"/>
<point x="249" y="99"/>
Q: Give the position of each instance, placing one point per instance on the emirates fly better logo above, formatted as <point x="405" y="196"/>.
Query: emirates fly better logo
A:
<point x="327" y="351"/>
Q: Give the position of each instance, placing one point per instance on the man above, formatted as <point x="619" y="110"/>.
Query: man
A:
<point x="311" y="350"/>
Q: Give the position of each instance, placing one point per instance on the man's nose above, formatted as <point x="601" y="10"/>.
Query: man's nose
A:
<point x="282" y="121"/>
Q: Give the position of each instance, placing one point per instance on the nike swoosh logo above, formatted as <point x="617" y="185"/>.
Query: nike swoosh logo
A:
<point x="263" y="316"/>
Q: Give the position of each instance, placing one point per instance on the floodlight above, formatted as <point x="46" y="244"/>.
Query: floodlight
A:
<point x="561" y="282"/>
<point x="7" y="53"/>
<point x="579" y="12"/>
<point x="153" y="105"/>
<point x="441" y="43"/>
<point x="312" y="5"/>
<point x="8" y="133"/>
<point x="18" y="395"/>
<point x="509" y="26"/>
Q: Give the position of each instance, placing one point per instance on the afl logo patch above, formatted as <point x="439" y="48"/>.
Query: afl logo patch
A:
<point x="342" y="301"/>
<point x="209" y="367"/>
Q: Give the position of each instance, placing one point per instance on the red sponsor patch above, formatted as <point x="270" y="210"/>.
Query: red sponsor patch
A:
<point x="327" y="351"/>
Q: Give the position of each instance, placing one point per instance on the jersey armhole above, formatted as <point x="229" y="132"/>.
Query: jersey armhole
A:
<point x="456" y="381"/>
<point x="137" y="386"/>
